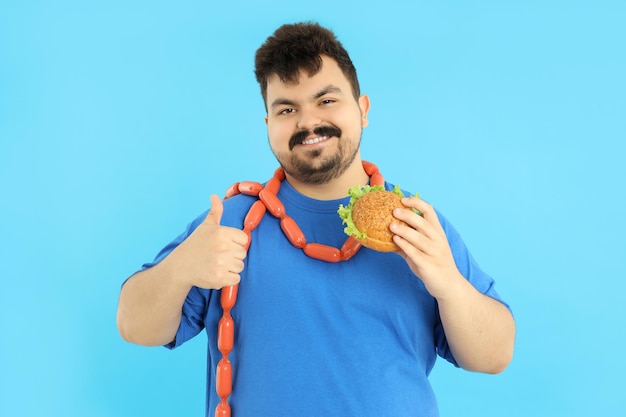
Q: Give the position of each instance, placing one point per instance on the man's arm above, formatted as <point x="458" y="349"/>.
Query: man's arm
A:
<point x="150" y="306"/>
<point x="480" y="330"/>
<point x="151" y="301"/>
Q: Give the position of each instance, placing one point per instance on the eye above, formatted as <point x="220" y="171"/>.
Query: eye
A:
<point x="327" y="101"/>
<point x="288" y="110"/>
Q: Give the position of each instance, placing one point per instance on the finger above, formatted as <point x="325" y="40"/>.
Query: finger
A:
<point x="426" y="211"/>
<point x="407" y="249"/>
<point x="240" y="253"/>
<point x="416" y="239"/>
<point x="418" y="204"/>
<point x="215" y="214"/>
<point x="224" y="279"/>
<point x="413" y="219"/>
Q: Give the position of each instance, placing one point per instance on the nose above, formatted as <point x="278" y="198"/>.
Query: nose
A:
<point x="308" y="119"/>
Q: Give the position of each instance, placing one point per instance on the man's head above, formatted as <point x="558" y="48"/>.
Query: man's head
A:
<point x="299" y="47"/>
<point x="315" y="113"/>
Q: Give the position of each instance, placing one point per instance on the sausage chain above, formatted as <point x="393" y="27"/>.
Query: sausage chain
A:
<point x="269" y="201"/>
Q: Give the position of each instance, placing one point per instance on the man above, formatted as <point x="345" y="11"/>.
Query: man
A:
<point x="357" y="337"/>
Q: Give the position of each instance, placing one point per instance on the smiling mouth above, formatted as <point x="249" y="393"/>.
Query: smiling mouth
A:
<point x="315" y="136"/>
<point x="312" y="141"/>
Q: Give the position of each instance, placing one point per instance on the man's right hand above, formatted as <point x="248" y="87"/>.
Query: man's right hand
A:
<point x="150" y="305"/>
<point x="212" y="256"/>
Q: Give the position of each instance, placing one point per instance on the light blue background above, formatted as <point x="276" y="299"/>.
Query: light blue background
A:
<point x="119" y="119"/>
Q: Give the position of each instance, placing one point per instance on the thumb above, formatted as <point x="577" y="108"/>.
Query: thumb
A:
<point x="217" y="208"/>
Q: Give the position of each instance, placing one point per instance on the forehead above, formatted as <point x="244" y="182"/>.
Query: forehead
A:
<point x="307" y="86"/>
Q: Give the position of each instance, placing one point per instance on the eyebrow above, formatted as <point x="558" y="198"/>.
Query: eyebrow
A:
<point x="326" y="90"/>
<point x="321" y="93"/>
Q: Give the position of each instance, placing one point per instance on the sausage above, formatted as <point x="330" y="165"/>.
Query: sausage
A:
<point x="369" y="168"/>
<point x="293" y="232"/>
<point x="279" y="174"/>
<point x="226" y="334"/>
<point x="273" y="185"/>
<point x="224" y="378"/>
<point x="273" y="204"/>
<point x="254" y="216"/>
<point x="377" y="179"/>
<point x="228" y="297"/>
<point x="349" y="248"/>
<point x="322" y="252"/>
<point x="250" y="188"/>
<point x="232" y="190"/>
<point x="222" y="409"/>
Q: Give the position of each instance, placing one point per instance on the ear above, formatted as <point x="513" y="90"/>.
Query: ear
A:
<point x="364" y="106"/>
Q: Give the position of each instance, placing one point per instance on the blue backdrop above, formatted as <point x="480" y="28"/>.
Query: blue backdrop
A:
<point x="119" y="119"/>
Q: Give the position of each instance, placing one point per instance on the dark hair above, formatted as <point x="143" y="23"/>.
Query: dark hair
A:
<point x="299" y="46"/>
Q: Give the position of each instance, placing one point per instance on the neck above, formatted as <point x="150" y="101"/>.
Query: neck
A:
<point x="335" y="189"/>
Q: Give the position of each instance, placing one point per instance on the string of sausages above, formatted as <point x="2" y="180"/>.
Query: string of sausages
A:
<point x="269" y="201"/>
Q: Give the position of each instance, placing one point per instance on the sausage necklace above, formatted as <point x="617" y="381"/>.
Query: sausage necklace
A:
<point x="268" y="201"/>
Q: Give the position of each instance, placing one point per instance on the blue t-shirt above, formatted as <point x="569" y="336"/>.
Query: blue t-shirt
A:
<point x="354" y="338"/>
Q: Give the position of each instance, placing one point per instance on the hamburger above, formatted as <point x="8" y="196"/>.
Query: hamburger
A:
<point x="369" y="213"/>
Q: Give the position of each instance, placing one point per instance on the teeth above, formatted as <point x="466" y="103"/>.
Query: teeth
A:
<point x="314" y="140"/>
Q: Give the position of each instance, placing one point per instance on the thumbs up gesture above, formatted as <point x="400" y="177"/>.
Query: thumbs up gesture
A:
<point x="212" y="256"/>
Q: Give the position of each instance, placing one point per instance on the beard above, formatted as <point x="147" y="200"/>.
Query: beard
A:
<point x="313" y="167"/>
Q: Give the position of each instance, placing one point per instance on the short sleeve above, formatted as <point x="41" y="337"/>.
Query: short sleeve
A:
<point x="196" y="302"/>
<point x="192" y="320"/>
<point x="470" y="269"/>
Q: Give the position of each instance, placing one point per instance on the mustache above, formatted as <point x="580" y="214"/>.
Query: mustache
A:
<point x="325" y="130"/>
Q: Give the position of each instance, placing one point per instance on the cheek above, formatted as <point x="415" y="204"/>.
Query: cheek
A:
<point x="278" y="134"/>
<point x="348" y="119"/>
